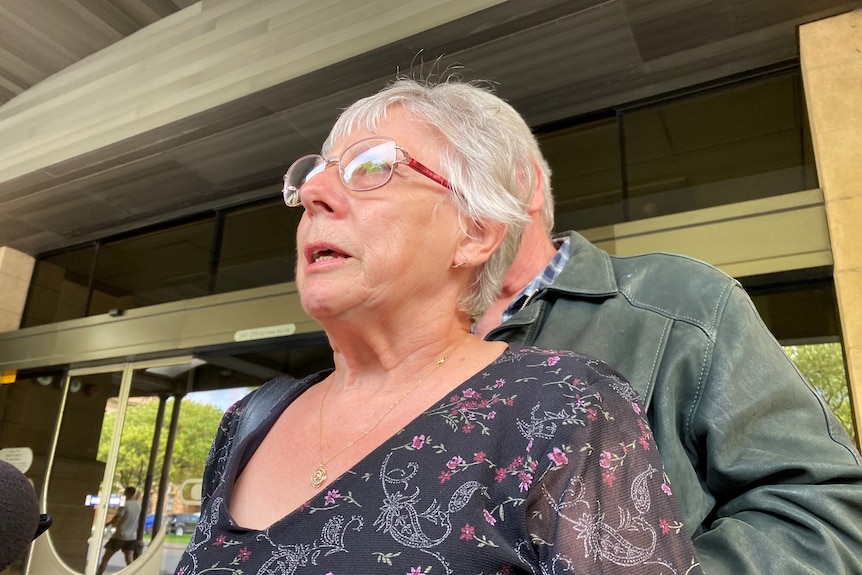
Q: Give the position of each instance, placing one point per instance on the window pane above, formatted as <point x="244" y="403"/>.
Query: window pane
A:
<point x="258" y="247"/>
<point x="58" y="289"/>
<point x="156" y="267"/>
<point x="585" y="163"/>
<point x="797" y="310"/>
<point x="736" y="144"/>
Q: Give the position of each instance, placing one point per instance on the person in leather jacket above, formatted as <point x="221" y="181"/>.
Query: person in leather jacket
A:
<point x="767" y="479"/>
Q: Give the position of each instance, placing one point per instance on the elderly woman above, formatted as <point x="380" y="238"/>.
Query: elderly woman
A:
<point x="426" y="449"/>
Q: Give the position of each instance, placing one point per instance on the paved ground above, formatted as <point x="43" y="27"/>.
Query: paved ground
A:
<point x="170" y="558"/>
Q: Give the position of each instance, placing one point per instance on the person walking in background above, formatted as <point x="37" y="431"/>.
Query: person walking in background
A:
<point x="125" y="537"/>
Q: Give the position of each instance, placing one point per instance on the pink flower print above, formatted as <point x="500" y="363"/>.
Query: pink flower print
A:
<point x="516" y="463"/>
<point x="592" y="414"/>
<point x="552" y="361"/>
<point x="529" y="445"/>
<point x="492" y="414"/>
<point x="558" y="456"/>
<point x="666" y="488"/>
<point x="605" y="459"/>
<point x="499" y="475"/>
<point x="469" y="392"/>
<point x="468" y="427"/>
<point x="526" y="481"/>
<point x="454" y="399"/>
<point x="455" y="462"/>
<point x="636" y="407"/>
<point x="608" y="477"/>
<point x="445" y="476"/>
<point x="467" y="532"/>
<point x="488" y="517"/>
<point x="665" y="526"/>
<point x="219" y="541"/>
<point x="415" y="571"/>
<point x="506" y="570"/>
<point x="644" y="443"/>
<point x="418" y="441"/>
<point x="479" y="457"/>
<point x="510" y="401"/>
<point x="243" y="554"/>
<point x="331" y="496"/>
<point x="499" y="383"/>
<point x="182" y="570"/>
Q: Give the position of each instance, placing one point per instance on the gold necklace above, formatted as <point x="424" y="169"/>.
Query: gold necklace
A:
<point x="319" y="476"/>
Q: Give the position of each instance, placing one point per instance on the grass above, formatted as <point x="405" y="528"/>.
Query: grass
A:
<point x="171" y="538"/>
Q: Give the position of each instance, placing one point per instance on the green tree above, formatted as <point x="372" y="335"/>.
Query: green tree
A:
<point x="195" y="430"/>
<point x="823" y="367"/>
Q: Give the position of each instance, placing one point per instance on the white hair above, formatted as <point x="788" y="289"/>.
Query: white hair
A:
<point x="490" y="159"/>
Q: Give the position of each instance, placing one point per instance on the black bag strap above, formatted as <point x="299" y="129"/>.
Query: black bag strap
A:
<point x="260" y="409"/>
<point x="261" y="403"/>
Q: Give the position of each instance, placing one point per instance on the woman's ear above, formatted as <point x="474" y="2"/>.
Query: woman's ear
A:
<point x="477" y="245"/>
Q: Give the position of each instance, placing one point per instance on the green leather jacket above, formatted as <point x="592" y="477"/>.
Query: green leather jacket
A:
<point x="766" y="478"/>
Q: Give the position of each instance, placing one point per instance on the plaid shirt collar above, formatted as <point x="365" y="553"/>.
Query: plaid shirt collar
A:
<point x="543" y="280"/>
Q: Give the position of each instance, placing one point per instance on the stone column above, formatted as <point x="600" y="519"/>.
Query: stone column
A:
<point x="831" y="58"/>
<point x="15" y="271"/>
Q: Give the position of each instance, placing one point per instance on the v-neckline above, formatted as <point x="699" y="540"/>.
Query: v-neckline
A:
<point x="256" y="439"/>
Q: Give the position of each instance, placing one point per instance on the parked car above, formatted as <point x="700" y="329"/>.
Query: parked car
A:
<point x="180" y="523"/>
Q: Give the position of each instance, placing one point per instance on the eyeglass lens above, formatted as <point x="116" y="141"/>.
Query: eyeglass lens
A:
<point x="363" y="166"/>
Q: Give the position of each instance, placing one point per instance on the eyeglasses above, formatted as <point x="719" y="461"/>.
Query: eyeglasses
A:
<point x="365" y="165"/>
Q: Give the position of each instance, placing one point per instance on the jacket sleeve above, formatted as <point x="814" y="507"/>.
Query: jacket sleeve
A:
<point x="785" y="478"/>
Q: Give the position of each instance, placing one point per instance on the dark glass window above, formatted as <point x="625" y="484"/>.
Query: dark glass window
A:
<point x="156" y="267"/>
<point x="721" y="146"/>
<point x="796" y="307"/>
<point x="59" y="288"/>
<point x="585" y="161"/>
<point x="258" y="247"/>
<point x="735" y="144"/>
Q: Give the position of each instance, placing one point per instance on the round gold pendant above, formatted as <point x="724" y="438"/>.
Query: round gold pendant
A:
<point x="318" y="477"/>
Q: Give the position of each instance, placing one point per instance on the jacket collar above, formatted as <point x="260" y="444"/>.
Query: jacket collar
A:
<point x="589" y="272"/>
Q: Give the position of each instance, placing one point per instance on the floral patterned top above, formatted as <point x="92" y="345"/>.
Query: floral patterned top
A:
<point x="542" y="463"/>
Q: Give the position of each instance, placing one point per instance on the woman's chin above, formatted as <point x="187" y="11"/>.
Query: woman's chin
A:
<point x="322" y="306"/>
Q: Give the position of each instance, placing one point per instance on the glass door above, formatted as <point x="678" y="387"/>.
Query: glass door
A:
<point x="73" y="491"/>
<point x="146" y="426"/>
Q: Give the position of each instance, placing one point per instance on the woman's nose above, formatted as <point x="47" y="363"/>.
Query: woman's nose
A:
<point x="324" y="193"/>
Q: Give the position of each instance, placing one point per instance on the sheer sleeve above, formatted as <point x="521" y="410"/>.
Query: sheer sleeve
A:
<point x="217" y="458"/>
<point x="603" y="503"/>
